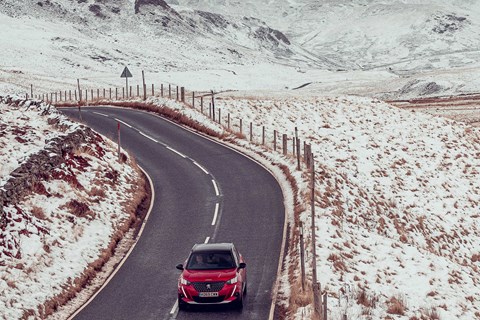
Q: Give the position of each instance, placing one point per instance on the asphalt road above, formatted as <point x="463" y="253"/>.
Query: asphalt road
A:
<point x="183" y="166"/>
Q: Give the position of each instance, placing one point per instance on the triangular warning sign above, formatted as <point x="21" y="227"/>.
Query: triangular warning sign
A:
<point x="126" y="73"/>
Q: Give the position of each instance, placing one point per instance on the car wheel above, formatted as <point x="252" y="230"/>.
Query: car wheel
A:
<point x="240" y="301"/>
<point x="181" y="305"/>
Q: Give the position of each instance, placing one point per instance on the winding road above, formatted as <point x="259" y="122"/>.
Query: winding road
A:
<point x="204" y="192"/>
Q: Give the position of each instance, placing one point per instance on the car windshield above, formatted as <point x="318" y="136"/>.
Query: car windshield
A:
<point x="210" y="260"/>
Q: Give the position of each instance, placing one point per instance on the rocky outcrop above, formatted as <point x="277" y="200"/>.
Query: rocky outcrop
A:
<point x="153" y="3"/>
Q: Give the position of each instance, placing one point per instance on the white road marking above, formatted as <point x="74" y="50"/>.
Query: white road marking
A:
<point x="101" y="114"/>
<point x="207" y="239"/>
<point x="117" y="268"/>
<point x="201" y="168"/>
<point x="215" y="214"/>
<point x="174" y="309"/>
<point x="147" y="136"/>
<point x="216" y="188"/>
<point x="180" y="154"/>
<point x="124" y="123"/>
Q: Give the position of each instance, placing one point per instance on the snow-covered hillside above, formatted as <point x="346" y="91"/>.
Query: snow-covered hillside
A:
<point x="397" y="208"/>
<point x="410" y="39"/>
<point x="57" y="236"/>
<point x="52" y="43"/>
<point x="417" y="49"/>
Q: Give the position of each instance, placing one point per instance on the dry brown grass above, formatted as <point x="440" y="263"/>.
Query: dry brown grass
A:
<point x="97" y="192"/>
<point x="396" y="305"/>
<point x="429" y="314"/>
<point x="38" y="213"/>
<point x="79" y="209"/>
<point x="71" y="290"/>
<point x="366" y="299"/>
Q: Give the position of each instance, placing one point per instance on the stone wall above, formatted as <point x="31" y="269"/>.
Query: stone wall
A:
<point x="40" y="165"/>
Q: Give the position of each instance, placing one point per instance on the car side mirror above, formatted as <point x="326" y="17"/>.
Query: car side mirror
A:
<point x="242" y="265"/>
<point x="179" y="266"/>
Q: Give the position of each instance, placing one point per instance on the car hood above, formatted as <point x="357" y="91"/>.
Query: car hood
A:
<point x="209" y="275"/>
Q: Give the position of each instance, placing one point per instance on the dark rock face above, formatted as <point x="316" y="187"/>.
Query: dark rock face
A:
<point x="156" y="3"/>
<point x="214" y="19"/>
<point x="271" y="35"/>
<point x="449" y="23"/>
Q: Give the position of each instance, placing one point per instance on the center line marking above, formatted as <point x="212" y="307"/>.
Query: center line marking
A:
<point x="124" y="123"/>
<point x="101" y="114"/>
<point x="201" y="168"/>
<point x="216" y="188"/>
<point x="207" y="239"/>
<point x="180" y="154"/>
<point x="148" y="137"/>
<point x="215" y="214"/>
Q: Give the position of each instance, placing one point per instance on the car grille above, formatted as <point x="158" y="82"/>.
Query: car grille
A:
<point x="209" y="300"/>
<point x="208" y="286"/>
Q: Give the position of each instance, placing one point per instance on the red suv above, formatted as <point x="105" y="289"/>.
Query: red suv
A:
<point x="214" y="273"/>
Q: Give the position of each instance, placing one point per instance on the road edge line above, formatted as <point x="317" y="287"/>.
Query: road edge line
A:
<point x="124" y="259"/>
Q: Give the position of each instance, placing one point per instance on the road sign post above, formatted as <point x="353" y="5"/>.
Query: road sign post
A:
<point x="126" y="74"/>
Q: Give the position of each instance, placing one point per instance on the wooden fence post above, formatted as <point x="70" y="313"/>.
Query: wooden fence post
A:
<point x="263" y="135"/>
<point x="325" y="306"/>
<point x="91" y="96"/>
<point x="144" y="86"/>
<point x="178" y="94"/>
<point x="298" y="154"/>
<point x="153" y="91"/>
<point x="274" y="140"/>
<point x="170" y="91"/>
<point x="302" y="256"/>
<point x="110" y="93"/>
<point x="219" y="116"/>
<point x="75" y="95"/>
<point x="31" y="90"/>
<point x="293" y="145"/>
<point x="98" y="93"/>
<point x="86" y="95"/>
<point x="201" y="104"/>
<point x="251" y="131"/>
<point x="70" y="95"/>
<point x="284" y="140"/>
<point x="182" y="94"/>
<point x="241" y="125"/>
<point x="123" y="93"/>
<point x="210" y="110"/>
<point x="138" y="90"/>
<point x="193" y="99"/>
<point x="228" y="121"/>
<point x="317" y="299"/>
<point x="130" y="95"/>
<point x="79" y="91"/>
<point x="60" y="95"/>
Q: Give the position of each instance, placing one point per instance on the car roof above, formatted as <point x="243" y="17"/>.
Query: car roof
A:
<point x="203" y="247"/>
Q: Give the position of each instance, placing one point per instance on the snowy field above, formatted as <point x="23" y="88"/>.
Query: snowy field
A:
<point x="397" y="203"/>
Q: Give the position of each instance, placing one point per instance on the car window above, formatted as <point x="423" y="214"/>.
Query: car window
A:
<point x="210" y="260"/>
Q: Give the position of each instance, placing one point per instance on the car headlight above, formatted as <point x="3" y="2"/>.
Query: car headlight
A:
<point x="233" y="280"/>
<point x="184" y="281"/>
